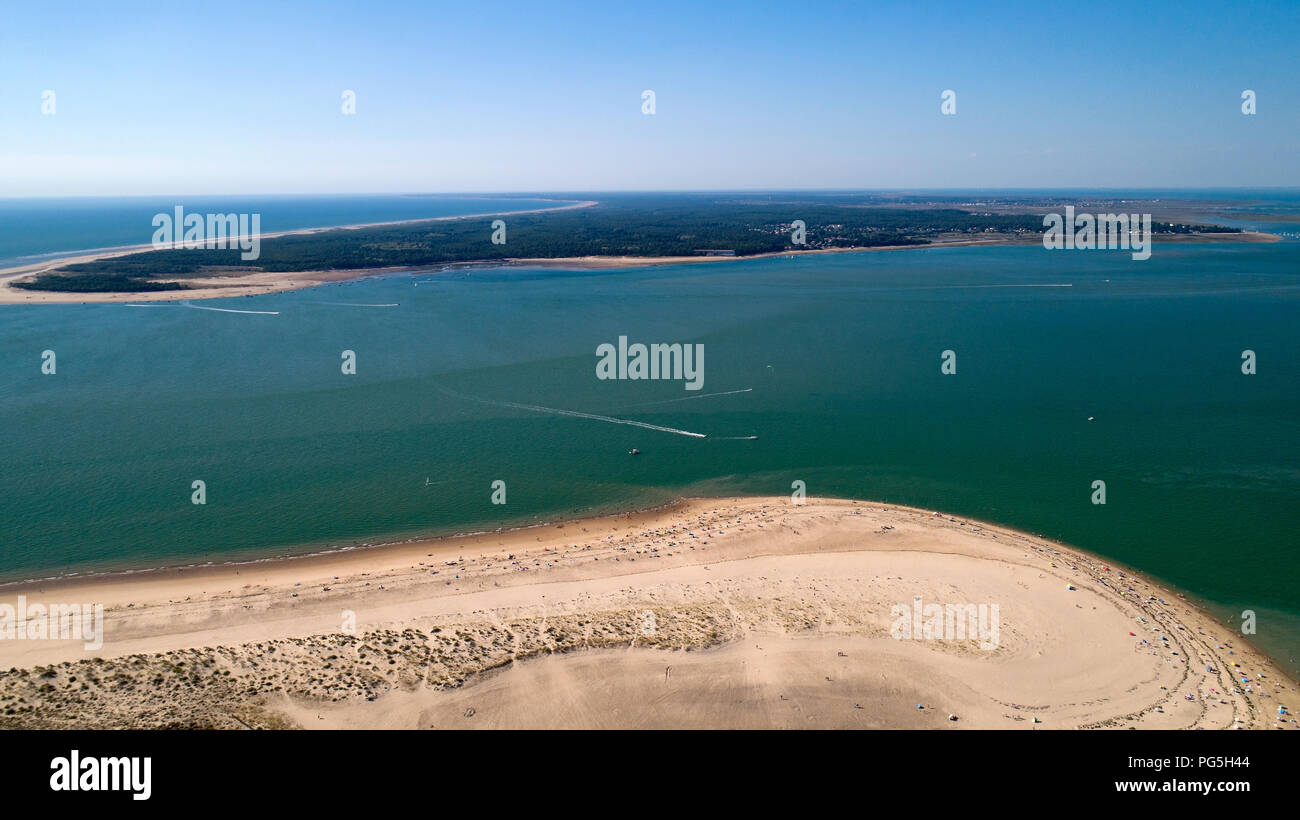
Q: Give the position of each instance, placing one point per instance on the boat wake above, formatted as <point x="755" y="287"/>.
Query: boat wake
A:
<point x="688" y="398"/>
<point x="231" y="310"/>
<point x="200" y="307"/>
<point x="537" y="408"/>
<point x="356" y="304"/>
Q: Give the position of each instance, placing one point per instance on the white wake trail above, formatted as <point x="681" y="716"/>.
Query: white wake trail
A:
<point x="688" y="398"/>
<point x="355" y="304"/>
<point x="200" y="307"/>
<point x="573" y="414"/>
<point x="231" y="310"/>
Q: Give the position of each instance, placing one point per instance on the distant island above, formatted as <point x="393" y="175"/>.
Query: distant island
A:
<point x="640" y="227"/>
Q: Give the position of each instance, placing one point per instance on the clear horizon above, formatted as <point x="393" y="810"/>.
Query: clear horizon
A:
<point x="830" y="96"/>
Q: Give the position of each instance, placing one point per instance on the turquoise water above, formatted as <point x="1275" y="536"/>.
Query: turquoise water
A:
<point x="841" y="354"/>
<point x="33" y="229"/>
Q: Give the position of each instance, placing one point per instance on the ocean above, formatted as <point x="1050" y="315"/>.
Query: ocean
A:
<point x="832" y="361"/>
<point x="32" y="230"/>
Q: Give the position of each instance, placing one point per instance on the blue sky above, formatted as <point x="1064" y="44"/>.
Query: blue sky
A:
<point x="245" y="98"/>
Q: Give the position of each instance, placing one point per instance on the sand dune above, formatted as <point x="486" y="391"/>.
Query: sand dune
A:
<point x="746" y="613"/>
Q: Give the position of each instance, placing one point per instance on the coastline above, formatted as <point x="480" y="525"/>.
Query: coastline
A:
<point x="10" y="295"/>
<point x="304" y="551"/>
<point x="707" y="568"/>
<point x="266" y="283"/>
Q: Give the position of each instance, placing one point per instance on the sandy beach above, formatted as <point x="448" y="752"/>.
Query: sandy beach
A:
<point x="253" y="284"/>
<point x="709" y="613"/>
<point x="224" y="286"/>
